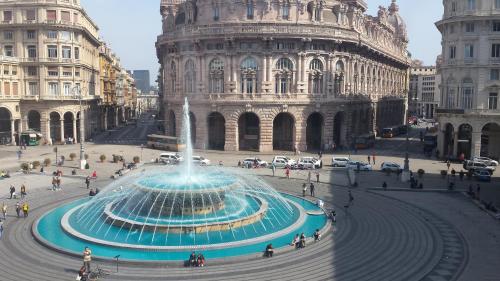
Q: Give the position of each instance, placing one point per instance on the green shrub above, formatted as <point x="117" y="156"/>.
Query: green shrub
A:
<point x="102" y="157"/>
<point x="25" y="166"/>
<point x="136" y="159"/>
<point x="72" y="156"/>
<point x="36" y="164"/>
<point x="87" y="166"/>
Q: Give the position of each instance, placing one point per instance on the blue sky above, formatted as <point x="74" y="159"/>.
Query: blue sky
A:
<point x="131" y="26"/>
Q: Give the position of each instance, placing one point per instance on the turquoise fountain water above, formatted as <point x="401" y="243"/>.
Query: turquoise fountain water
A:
<point x="164" y="213"/>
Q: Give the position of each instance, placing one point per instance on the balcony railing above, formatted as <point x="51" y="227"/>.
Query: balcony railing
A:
<point x="459" y="111"/>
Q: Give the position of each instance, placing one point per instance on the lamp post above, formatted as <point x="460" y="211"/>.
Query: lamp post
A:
<point x="79" y="95"/>
<point x="405" y="176"/>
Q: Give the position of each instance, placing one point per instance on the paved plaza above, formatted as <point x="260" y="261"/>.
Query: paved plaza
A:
<point x="395" y="234"/>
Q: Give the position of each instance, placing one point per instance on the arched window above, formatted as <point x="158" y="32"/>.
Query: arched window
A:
<point x="284" y="76"/>
<point x="467" y="93"/>
<point x="190" y="77"/>
<point x="173" y="77"/>
<point x="316" y="77"/>
<point x="339" y="78"/>
<point x="216" y="76"/>
<point x="285" y="10"/>
<point x="249" y="71"/>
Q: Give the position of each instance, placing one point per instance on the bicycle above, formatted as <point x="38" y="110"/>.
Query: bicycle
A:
<point x="98" y="273"/>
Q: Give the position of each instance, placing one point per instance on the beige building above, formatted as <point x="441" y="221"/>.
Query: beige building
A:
<point x="469" y="116"/>
<point x="279" y="75"/>
<point x="425" y="94"/>
<point x="55" y="48"/>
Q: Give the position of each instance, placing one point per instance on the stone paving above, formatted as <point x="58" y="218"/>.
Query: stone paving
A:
<point x="385" y="235"/>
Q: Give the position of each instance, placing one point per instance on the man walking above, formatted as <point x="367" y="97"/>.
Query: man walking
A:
<point x="369" y="159"/>
<point x="26" y="209"/>
<point x="373" y="158"/>
<point x="87" y="258"/>
<point x="18" y="209"/>
<point x="272" y="168"/>
<point x="12" y="192"/>
<point x="4" y="211"/>
<point x="317" y="177"/>
<point x="87" y="181"/>
<point x="351" y="199"/>
<point x="311" y="186"/>
<point x="1" y="229"/>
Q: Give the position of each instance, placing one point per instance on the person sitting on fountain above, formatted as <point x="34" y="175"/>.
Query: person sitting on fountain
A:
<point x="92" y="192"/>
<point x="302" y="243"/>
<point x="317" y="235"/>
<point x="295" y="241"/>
<point x="192" y="259"/>
<point x="269" y="251"/>
<point x="201" y="260"/>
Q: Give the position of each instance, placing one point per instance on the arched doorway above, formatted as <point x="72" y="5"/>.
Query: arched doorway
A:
<point x="172" y="128"/>
<point x="55" y="126"/>
<point x="283" y="132"/>
<point x="34" y="121"/>
<point x="192" y="120"/>
<point x="464" y="140"/>
<point x="314" y="131"/>
<point x="68" y="125"/>
<point x="216" y="131"/>
<point x="249" y="131"/>
<point x="5" y="126"/>
<point x="490" y="138"/>
<point x="448" y="140"/>
<point x="338" y="127"/>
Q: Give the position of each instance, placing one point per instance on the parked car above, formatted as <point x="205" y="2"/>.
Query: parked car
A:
<point x="202" y="161"/>
<point x="283" y="161"/>
<point x="486" y="160"/>
<point x="474" y="165"/>
<point x="362" y="166"/>
<point x="482" y="175"/>
<point x="170" y="158"/>
<point x="340" y="161"/>
<point x="309" y="163"/>
<point x="390" y="167"/>
<point x="253" y="160"/>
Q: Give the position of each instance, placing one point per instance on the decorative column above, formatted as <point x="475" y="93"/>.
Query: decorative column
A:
<point x="476" y="144"/>
<point x="75" y="133"/>
<point x="105" y="119"/>
<point x="13" y="132"/>
<point x="47" y="131"/>
<point x="455" y="144"/>
<point x="62" y="130"/>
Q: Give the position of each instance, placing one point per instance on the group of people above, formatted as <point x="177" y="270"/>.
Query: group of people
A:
<point x="56" y="182"/>
<point x="196" y="260"/>
<point x="13" y="194"/>
<point x="311" y="189"/>
<point x="299" y="241"/>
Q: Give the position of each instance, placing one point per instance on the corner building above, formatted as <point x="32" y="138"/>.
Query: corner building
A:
<point x="278" y="75"/>
<point x="469" y="116"/>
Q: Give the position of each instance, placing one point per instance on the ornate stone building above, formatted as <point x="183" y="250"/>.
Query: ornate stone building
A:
<point x="469" y="116"/>
<point x="278" y="75"/>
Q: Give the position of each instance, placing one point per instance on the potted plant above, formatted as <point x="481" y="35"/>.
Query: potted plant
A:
<point x="136" y="159"/>
<point x="87" y="166"/>
<point x="116" y="158"/>
<point x="25" y="167"/>
<point x="36" y="164"/>
<point x="444" y="173"/>
<point x="72" y="156"/>
<point x="47" y="162"/>
<point x="420" y="172"/>
<point x="102" y="157"/>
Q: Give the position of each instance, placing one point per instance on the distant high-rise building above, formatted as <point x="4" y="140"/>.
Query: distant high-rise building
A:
<point x="142" y="81"/>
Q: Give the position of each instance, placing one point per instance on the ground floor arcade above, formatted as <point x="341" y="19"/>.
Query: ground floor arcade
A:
<point x="268" y="127"/>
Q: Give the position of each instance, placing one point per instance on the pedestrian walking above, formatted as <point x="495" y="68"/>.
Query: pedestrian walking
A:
<point x="23" y="191"/>
<point x="304" y="189"/>
<point x="87" y="182"/>
<point x="373" y="158"/>
<point x="58" y="182"/>
<point x="26" y="209"/>
<point x="12" y="192"/>
<point x="18" y="209"/>
<point x="333" y="216"/>
<point x="317" y="177"/>
<point x="1" y="229"/>
<point x="287" y="172"/>
<point x="87" y="258"/>
<point x="54" y="183"/>
<point x="369" y="159"/>
<point x="478" y="191"/>
<point x="273" y="168"/>
<point x="351" y="199"/>
<point x="448" y="164"/>
<point x="4" y="211"/>
<point x="19" y="153"/>
<point x="311" y="186"/>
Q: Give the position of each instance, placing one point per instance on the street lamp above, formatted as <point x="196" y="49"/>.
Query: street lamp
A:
<point x="405" y="176"/>
<point x="78" y="94"/>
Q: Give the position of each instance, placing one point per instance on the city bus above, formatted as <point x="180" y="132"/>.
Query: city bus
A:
<point x="165" y="143"/>
<point x="365" y="141"/>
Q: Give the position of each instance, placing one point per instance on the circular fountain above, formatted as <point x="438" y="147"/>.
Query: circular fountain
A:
<point x="164" y="213"/>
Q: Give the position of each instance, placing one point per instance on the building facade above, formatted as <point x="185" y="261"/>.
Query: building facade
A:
<point x="56" y="45"/>
<point x="425" y="94"/>
<point x="282" y="75"/>
<point x="469" y="117"/>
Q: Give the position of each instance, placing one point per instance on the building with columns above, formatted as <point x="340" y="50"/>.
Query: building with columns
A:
<point x="424" y="92"/>
<point x="266" y="75"/>
<point x="469" y="116"/>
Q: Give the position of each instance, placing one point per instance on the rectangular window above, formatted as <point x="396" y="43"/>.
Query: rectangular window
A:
<point x="32" y="71"/>
<point x="452" y="29"/>
<point x="67" y="89"/>
<point x="285" y="13"/>
<point x="6" y="70"/>
<point x="495" y="74"/>
<point x="65" y="16"/>
<point x="30" y="15"/>
<point x="8" y="51"/>
<point x="51" y="15"/>
<point x="32" y="88"/>
<point x="471" y="4"/>
<point x="250" y="10"/>
<point x="15" y="90"/>
<point x="52" y="34"/>
<point x="493" y="101"/>
<point x="65" y="35"/>
<point x="6" y="88"/>
<point x="469" y="27"/>
<point x="14" y="70"/>
<point x="31" y="52"/>
<point x="8" y="35"/>
<point x="75" y="18"/>
<point x="495" y="50"/>
<point x="66" y="52"/>
<point x="67" y="71"/>
<point x="497" y="4"/>
<point x="53" y="71"/>
<point x="495" y="26"/>
<point x="453" y="52"/>
<point x="216" y="12"/>
<point x="52" y="51"/>
<point x="77" y="72"/>
<point x="53" y="89"/>
<point x="7" y="16"/>
<point x="469" y="51"/>
<point x="77" y="53"/>
<point x="30" y="34"/>
<point x="453" y="7"/>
